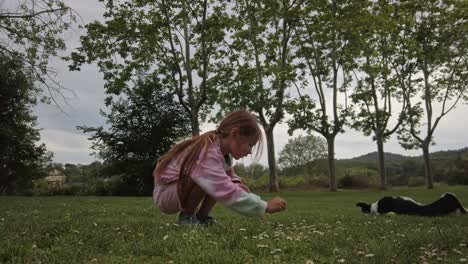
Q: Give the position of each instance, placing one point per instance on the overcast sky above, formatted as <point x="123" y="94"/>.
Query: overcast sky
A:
<point x="71" y="146"/>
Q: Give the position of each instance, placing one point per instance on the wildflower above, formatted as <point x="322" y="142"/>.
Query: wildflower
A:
<point x="276" y="250"/>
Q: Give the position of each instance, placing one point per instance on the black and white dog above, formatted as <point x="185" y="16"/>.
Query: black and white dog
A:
<point x="446" y="204"/>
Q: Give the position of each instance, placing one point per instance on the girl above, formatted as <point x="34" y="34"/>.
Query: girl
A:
<point x="197" y="173"/>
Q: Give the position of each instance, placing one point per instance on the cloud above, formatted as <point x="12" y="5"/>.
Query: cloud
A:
<point x="67" y="147"/>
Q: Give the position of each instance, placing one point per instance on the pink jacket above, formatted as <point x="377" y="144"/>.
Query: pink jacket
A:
<point x="210" y="173"/>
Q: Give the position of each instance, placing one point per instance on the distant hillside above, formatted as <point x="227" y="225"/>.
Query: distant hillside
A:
<point x="451" y="154"/>
<point x="391" y="157"/>
<point x="373" y="156"/>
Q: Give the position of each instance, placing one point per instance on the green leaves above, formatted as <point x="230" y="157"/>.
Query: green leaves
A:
<point x="22" y="158"/>
<point x="142" y="126"/>
<point x="302" y="150"/>
<point x="178" y="41"/>
<point x="32" y="33"/>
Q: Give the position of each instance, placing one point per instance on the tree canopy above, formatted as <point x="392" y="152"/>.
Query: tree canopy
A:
<point x="22" y="159"/>
<point x="31" y="31"/>
<point x="176" y="40"/>
<point x="143" y="124"/>
<point x="302" y="150"/>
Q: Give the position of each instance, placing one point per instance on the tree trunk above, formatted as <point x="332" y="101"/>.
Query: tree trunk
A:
<point x="195" y="125"/>
<point x="427" y="167"/>
<point x="274" y="187"/>
<point x="382" y="170"/>
<point x="331" y="163"/>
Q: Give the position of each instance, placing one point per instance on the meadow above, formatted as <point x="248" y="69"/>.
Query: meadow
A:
<point x="318" y="227"/>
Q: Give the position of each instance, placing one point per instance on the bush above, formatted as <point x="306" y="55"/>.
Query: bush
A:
<point x="456" y="176"/>
<point x="319" y="181"/>
<point x="260" y="183"/>
<point x="359" y="178"/>
<point x="42" y="188"/>
<point x="105" y="186"/>
<point x="115" y="185"/>
<point x="355" y="181"/>
<point x="416" y="181"/>
<point x="297" y="181"/>
<point x="293" y="181"/>
<point x="397" y="180"/>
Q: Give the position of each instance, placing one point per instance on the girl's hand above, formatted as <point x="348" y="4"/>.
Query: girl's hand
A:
<point x="276" y="205"/>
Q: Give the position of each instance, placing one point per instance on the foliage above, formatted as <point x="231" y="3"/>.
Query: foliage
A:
<point x="22" y="158"/>
<point x="358" y="177"/>
<point x="319" y="226"/>
<point x="436" y="32"/>
<point x="327" y="40"/>
<point x="260" y="67"/>
<point x="253" y="171"/>
<point x="31" y="31"/>
<point x="416" y="181"/>
<point x="377" y="89"/>
<point x="302" y="150"/>
<point x="175" y="40"/>
<point x="143" y="125"/>
<point x="379" y="67"/>
<point x="439" y="42"/>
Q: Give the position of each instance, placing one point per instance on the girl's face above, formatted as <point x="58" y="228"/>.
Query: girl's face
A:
<point x="240" y="146"/>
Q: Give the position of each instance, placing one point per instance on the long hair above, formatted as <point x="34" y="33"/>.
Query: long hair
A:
<point x="187" y="152"/>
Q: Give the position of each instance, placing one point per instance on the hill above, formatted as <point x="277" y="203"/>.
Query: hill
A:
<point x="373" y="156"/>
<point x="391" y="157"/>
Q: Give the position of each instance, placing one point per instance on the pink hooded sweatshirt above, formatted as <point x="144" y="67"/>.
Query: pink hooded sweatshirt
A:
<point x="210" y="173"/>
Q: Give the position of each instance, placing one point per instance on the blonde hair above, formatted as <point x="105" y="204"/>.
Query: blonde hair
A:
<point x="188" y="151"/>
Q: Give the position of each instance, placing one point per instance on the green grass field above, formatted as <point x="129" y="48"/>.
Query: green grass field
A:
<point x="320" y="226"/>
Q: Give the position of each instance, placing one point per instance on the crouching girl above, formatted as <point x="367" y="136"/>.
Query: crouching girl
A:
<point x="197" y="173"/>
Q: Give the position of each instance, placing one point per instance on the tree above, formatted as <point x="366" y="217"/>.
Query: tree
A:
<point x="73" y="172"/>
<point x="302" y="150"/>
<point x="31" y="31"/>
<point x="327" y="38"/>
<point x="253" y="171"/>
<point x="437" y="31"/>
<point x="176" y="40"/>
<point x="379" y="68"/>
<point x="22" y="159"/>
<point x="143" y="125"/>
<point x="259" y="65"/>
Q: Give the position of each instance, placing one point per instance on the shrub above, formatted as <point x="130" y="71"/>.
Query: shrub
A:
<point x="358" y="178"/>
<point x="416" y="181"/>
<point x="40" y="187"/>
<point x="354" y="181"/>
<point x="320" y="181"/>
<point x="293" y="181"/>
<point x="260" y="183"/>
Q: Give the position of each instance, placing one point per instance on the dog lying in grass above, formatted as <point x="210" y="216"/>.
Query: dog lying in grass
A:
<point x="446" y="204"/>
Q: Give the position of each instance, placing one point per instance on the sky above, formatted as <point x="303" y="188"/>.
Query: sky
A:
<point x="69" y="145"/>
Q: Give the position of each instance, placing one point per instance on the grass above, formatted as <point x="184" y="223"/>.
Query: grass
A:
<point x="322" y="227"/>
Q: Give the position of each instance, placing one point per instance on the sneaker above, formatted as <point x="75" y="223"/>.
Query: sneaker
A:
<point x="207" y="221"/>
<point x="187" y="219"/>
